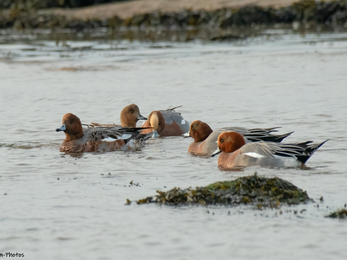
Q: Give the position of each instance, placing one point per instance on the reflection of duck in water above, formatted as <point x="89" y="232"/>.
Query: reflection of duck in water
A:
<point x="205" y="139"/>
<point x="235" y="152"/>
<point x="166" y="123"/>
<point x="98" y="139"/>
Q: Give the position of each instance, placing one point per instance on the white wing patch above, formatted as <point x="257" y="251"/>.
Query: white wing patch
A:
<point x="183" y="122"/>
<point x="125" y="136"/>
<point x="109" y="139"/>
<point x="255" y="155"/>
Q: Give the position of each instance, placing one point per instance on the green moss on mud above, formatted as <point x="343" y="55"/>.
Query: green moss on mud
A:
<point x="254" y="190"/>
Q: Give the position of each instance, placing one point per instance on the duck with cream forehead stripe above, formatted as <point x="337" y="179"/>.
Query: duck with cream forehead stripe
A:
<point x="205" y="139"/>
<point x="167" y="123"/>
<point x="234" y="152"/>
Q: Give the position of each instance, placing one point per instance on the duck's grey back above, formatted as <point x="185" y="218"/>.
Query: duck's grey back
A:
<point x="262" y="154"/>
<point x="171" y="115"/>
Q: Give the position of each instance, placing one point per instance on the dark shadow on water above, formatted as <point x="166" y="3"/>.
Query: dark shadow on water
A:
<point x="234" y="169"/>
<point x="76" y="155"/>
<point x="161" y="34"/>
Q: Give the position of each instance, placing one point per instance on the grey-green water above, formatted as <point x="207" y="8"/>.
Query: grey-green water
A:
<point x="62" y="207"/>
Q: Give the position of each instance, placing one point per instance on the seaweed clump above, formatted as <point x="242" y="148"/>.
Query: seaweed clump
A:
<point x="340" y="213"/>
<point x="254" y="190"/>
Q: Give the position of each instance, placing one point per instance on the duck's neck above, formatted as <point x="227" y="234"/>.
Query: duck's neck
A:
<point x="71" y="137"/>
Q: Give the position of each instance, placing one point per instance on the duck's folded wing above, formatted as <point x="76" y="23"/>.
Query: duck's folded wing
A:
<point x="102" y="133"/>
<point x="259" y="149"/>
<point x="271" y="149"/>
<point x="259" y="134"/>
<point x="170" y="115"/>
<point x="95" y="125"/>
<point x="254" y="131"/>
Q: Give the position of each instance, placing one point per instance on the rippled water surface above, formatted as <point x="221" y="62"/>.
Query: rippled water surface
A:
<point x="56" y="206"/>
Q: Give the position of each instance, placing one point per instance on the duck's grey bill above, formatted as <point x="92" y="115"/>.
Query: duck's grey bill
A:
<point x="185" y="135"/>
<point x="216" y="152"/>
<point x="155" y="134"/>
<point x="141" y="117"/>
<point x="62" y="128"/>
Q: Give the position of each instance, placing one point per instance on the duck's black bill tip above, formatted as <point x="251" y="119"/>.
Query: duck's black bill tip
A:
<point x="215" y="153"/>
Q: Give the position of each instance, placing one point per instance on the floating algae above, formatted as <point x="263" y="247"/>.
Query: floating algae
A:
<point x="340" y="213"/>
<point x="254" y="190"/>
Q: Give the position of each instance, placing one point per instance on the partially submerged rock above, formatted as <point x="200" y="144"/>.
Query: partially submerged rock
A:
<point x="340" y="213"/>
<point x="254" y="190"/>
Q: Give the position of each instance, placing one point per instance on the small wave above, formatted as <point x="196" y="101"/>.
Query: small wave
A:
<point x="82" y="68"/>
<point x="26" y="146"/>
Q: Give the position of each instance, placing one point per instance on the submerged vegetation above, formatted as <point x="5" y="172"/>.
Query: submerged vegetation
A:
<point x="254" y="190"/>
<point x="306" y="12"/>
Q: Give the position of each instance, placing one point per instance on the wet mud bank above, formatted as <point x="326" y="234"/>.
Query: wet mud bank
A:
<point x="253" y="190"/>
<point x="38" y="4"/>
<point x="306" y="13"/>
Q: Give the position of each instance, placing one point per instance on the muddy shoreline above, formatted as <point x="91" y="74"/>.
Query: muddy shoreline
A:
<point x="306" y="13"/>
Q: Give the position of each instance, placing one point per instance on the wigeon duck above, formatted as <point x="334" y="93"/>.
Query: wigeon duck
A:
<point x="236" y="153"/>
<point x="166" y="123"/>
<point x="100" y="139"/>
<point x="205" y="139"/>
<point x="128" y="118"/>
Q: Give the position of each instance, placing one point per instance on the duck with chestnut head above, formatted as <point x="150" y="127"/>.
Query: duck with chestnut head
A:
<point x="205" y="139"/>
<point x="98" y="139"/>
<point x="128" y="118"/>
<point x="234" y="152"/>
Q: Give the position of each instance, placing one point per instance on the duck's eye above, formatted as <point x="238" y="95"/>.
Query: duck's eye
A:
<point x="221" y="140"/>
<point x="71" y="121"/>
<point x="131" y="111"/>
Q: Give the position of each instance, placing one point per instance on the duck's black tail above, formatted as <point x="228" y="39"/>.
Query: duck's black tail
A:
<point x="302" y="151"/>
<point x="309" y="151"/>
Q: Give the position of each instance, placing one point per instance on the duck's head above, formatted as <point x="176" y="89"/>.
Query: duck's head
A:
<point x="229" y="142"/>
<point x="157" y="121"/>
<point x="72" y="127"/>
<point x="130" y="115"/>
<point x="199" y="130"/>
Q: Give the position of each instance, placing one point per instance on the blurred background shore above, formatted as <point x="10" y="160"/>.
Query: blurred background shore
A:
<point x="177" y="14"/>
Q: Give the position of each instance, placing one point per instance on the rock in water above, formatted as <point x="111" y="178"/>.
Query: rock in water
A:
<point x="254" y="190"/>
